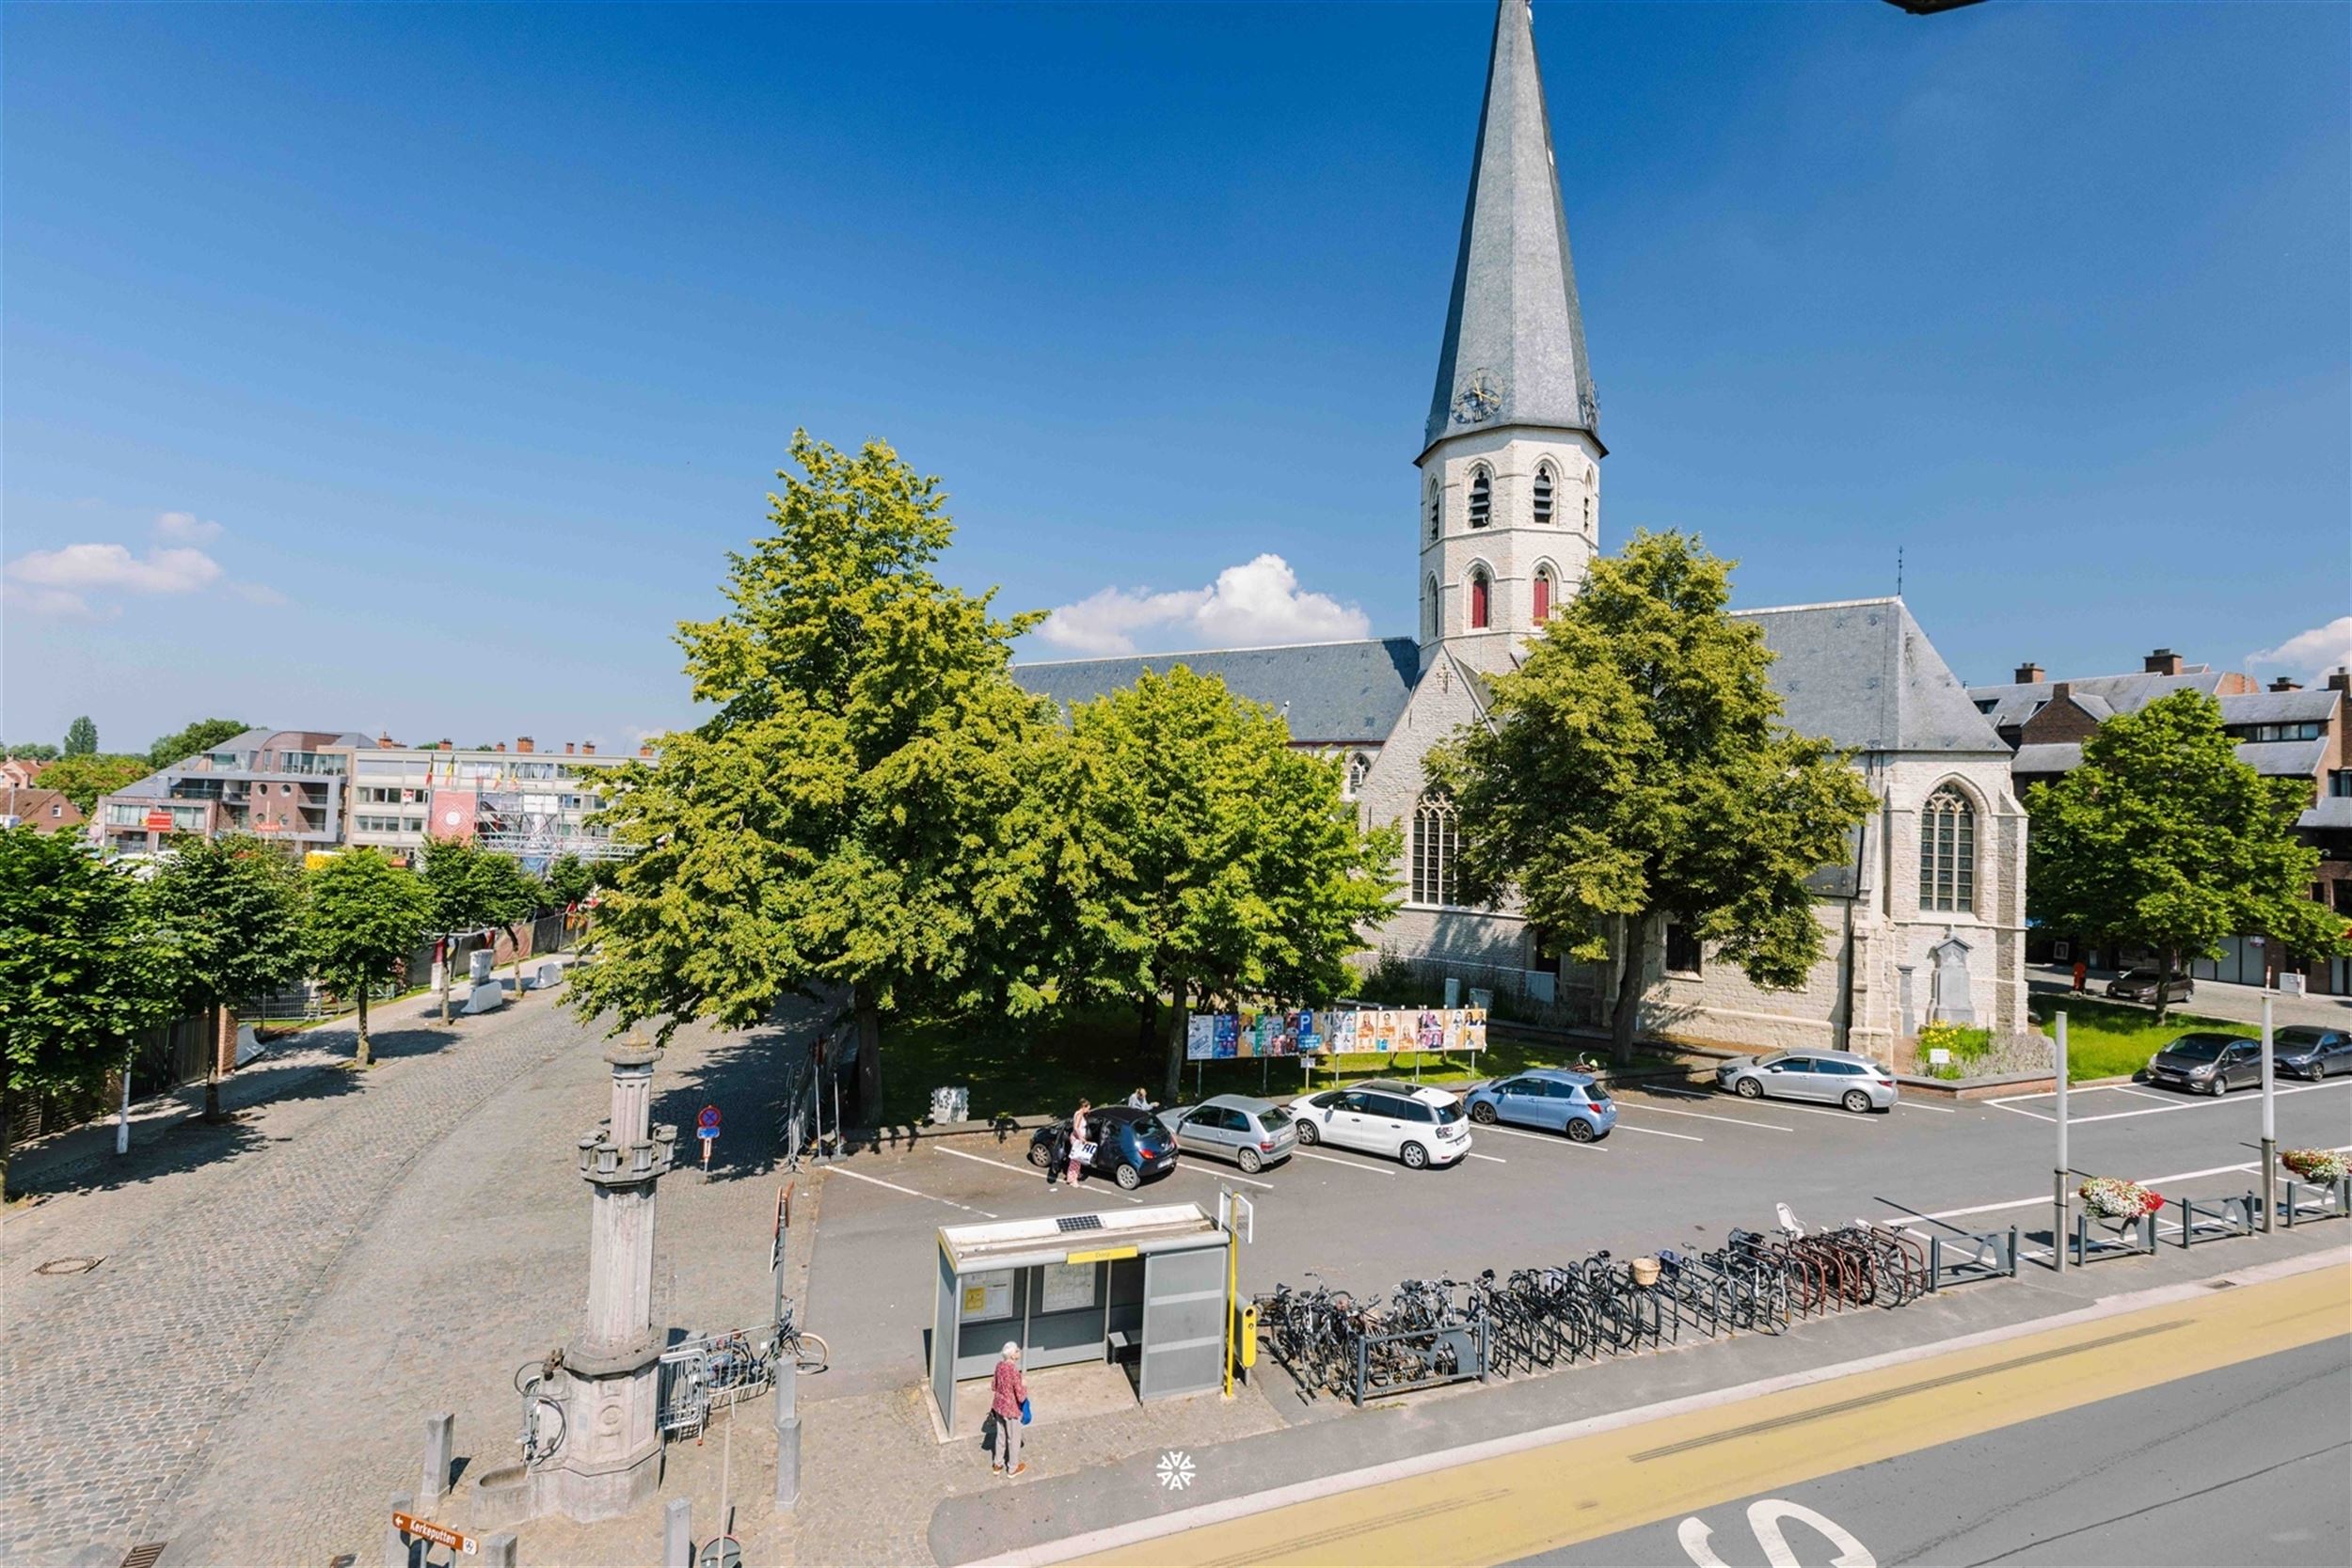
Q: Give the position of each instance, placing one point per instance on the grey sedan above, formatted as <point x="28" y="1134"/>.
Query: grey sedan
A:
<point x="1834" y="1077"/>
<point x="1253" y="1133"/>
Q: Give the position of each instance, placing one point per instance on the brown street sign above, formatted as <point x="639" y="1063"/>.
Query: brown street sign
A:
<point x="440" y="1535"/>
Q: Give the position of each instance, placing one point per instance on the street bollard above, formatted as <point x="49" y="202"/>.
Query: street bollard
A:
<point x="498" y="1551"/>
<point x="677" y="1533"/>
<point x="787" y="1430"/>
<point x="395" y="1543"/>
<point x="440" y="1436"/>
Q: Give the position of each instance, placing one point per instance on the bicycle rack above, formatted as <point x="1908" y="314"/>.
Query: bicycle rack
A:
<point x="2306" y="1201"/>
<point x="2224" y="1216"/>
<point x="2088" y="1248"/>
<point x="1992" y="1255"/>
<point x="1414" y="1358"/>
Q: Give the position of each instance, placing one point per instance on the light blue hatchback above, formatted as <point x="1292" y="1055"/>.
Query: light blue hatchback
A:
<point x="1553" y="1098"/>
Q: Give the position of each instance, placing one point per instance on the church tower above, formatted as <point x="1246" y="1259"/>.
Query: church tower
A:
<point x="1510" y="473"/>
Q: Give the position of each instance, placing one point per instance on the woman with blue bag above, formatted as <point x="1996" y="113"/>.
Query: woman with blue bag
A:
<point x="1008" y="1407"/>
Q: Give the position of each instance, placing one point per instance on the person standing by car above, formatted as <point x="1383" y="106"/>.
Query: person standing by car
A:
<point x="1056" y="1156"/>
<point x="2082" y="976"/>
<point x="1081" y="1150"/>
<point x="1008" y="1393"/>
<point x="1139" y="1101"/>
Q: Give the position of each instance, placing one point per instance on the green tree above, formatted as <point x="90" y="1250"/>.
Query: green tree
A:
<point x="202" y="735"/>
<point x="367" y="915"/>
<point x="233" y="907"/>
<point x="465" y="892"/>
<point x="1201" y="856"/>
<point x="516" y="900"/>
<point x="81" y="738"/>
<point x="81" y="969"/>
<point x="82" y="777"/>
<point x="845" y="819"/>
<point x="570" y="880"/>
<point x="31" y="751"/>
<point x="1635" y="769"/>
<point x="2162" y="837"/>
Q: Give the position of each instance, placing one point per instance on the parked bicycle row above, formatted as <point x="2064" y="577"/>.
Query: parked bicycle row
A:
<point x="1433" y="1331"/>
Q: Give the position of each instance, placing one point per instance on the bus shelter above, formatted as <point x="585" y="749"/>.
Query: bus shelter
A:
<point x="1146" y="1285"/>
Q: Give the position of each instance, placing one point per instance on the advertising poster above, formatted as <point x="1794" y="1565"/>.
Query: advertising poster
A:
<point x="1228" y="1039"/>
<point x="1385" y="1030"/>
<point x="1268" y="1030"/>
<point x="987" y="1295"/>
<point x="1309" y="1038"/>
<point x="1431" y="1034"/>
<point x="1474" y="1030"/>
<point x="1286" y="1036"/>
<point x="1454" y="1022"/>
<point x="1069" y="1288"/>
<point x="1340" y="1036"/>
<point x="1199" y="1037"/>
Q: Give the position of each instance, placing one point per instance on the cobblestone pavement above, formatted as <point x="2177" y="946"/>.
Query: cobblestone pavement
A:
<point x="282" y="1302"/>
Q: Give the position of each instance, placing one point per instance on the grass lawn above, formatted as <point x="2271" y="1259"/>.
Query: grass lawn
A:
<point x="1037" y="1065"/>
<point x="2104" y="1041"/>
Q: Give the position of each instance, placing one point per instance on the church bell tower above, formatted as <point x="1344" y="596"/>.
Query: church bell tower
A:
<point x="1510" y="470"/>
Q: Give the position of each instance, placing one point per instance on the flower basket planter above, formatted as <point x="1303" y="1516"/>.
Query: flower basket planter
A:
<point x="2323" y="1165"/>
<point x="2116" y="1201"/>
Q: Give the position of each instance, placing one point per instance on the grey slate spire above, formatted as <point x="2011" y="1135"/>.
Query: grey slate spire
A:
<point x="1514" y="338"/>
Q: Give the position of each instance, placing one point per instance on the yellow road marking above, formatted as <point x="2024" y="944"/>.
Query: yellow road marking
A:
<point x="1582" y="1488"/>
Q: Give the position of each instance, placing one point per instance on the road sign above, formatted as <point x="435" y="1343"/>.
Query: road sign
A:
<point x="440" y="1535"/>
<point x="706" y="1135"/>
<point x="708" y="1117"/>
<point x="721" y="1551"/>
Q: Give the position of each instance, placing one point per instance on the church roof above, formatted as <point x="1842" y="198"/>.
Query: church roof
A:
<point x="1330" y="693"/>
<point x="1863" y="674"/>
<point x="1514" y="350"/>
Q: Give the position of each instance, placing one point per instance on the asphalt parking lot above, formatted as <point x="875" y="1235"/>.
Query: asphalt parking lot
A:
<point x="1681" y="1169"/>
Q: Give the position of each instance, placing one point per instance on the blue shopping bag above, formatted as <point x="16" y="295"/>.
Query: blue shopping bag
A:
<point x="1025" y="1412"/>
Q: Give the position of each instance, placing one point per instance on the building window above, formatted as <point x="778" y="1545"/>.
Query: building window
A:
<point x="1436" y="839"/>
<point x="1947" y="852"/>
<point x="1357" y="766"/>
<point x="1436" y="509"/>
<point x="2340" y="781"/>
<point x="1482" y="502"/>
<point x="1429" y="611"/>
<point x="1588" y="514"/>
<point x="1543" y="495"/>
<point x="1682" y="950"/>
<point x="1543" y="595"/>
<point x="1481" y="599"/>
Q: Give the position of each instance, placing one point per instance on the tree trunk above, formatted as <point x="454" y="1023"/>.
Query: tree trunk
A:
<point x="1147" y="1028"/>
<point x="2164" y="974"/>
<point x="870" y="1084"/>
<point x="1625" y="1019"/>
<point x="212" y="1071"/>
<point x="365" y="1057"/>
<point x="5" y="1131"/>
<point x="1178" y="996"/>
<point x="448" y="958"/>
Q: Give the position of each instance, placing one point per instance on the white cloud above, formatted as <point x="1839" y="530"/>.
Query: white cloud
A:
<point x="258" y="593"/>
<point x="79" y="568"/>
<point x="1258" y="603"/>
<point x="55" y="603"/>
<point x="184" y="528"/>
<point x="2316" y="651"/>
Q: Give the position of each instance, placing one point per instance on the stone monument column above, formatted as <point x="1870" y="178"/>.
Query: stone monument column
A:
<point x="610" y="1460"/>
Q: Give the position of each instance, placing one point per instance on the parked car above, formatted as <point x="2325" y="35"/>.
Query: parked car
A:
<point x="1576" y="1104"/>
<point x="1253" y="1133"/>
<point x="2140" y="985"/>
<point x="2207" y="1061"/>
<point x="1423" y="1126"/>
<point x="1838" y="1077"/>
<point x="2307" y="1051"/>
<point x="1129" y="1144"/>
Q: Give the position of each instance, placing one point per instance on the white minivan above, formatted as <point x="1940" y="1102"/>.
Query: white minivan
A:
<point x="1421" y="1127"/>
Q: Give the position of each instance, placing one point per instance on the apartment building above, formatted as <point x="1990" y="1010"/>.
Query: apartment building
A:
<point x="285" y="786"/>
<point x="526" y="802"/>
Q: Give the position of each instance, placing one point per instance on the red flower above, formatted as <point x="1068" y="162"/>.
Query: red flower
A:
<point x="2155" y="1201"/>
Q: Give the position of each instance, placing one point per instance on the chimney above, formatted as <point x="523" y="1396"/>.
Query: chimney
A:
<point x="2338" y="680"/>
<point x="587" y="748"/>
<point x="2282" y="683"/>
<point x="523" y="743"/>
<point x="446" y="746"/>
<point x="502" y="746"/>
<point x="567" y="747"/>
<point x="2029" y="675"/>
<point x="645" y="751"/>
<point x="2164" y="661"/>
<point x="2060" y="692"/>
<point x="384" y="740"/>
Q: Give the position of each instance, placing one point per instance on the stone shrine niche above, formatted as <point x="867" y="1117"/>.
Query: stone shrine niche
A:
<point x="1948" y="983"/>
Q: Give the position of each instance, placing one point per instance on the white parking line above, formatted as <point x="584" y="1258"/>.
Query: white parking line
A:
<point x="1352" y="1165"/>
<point x="2044" y="1201"/>
<point x="1491" y="1159"/>
<point x="1939" y="1109"/>
<point x="1654" y="1132"/>
<point x="2144" y="1094"/>
<point x="2244" y="1097"/>
<point x="1818" y="1111"/>
<point x="878" y="1181"/>
<point x="1030" y="1172"/>
<point x="1543" y="1138"/>
<point x="1703" y="1116"/>
<point x="1222" y="1175"/>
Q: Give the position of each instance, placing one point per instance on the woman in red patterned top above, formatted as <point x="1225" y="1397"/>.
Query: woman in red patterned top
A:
<point x="1007" y="1394"/>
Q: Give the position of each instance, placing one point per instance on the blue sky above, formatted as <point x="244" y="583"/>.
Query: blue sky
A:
<point x="456" y="345"/>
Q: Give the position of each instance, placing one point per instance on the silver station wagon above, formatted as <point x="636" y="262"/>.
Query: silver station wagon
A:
<point x="1833" y="1077"/>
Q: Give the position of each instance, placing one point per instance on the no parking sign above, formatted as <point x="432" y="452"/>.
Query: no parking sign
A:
<point x="707" y="1129"/>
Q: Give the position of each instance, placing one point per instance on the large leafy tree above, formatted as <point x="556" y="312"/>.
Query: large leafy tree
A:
<point x="202" y="735"/>
<point x="83" y="969"/>
<point x="1635" y="769"/>
<point x="848" y="814"/>
<point x="1198" y="855"/>
<point x="466" y="890"/>
<point x="81" y="738"/>
<point x="31" y="751"/>
<point x="233" y="907"/>
<point x="516" y="900"/>
<point x="82" y="777"/>
<point x="367" y="915"/>
<point x="2163" y="836"/>
<point x="570" y="880"/>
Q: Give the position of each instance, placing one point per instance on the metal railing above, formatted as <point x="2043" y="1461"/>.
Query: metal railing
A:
<point x="2305" y="1201"/>
<point x="2132" y="1238"/>
<point x="2203" y="1220"/>
<point x="1966" y="1257"/>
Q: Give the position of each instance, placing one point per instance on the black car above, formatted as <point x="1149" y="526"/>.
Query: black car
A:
<point x="1129" y="1145"/>
<point x="2207" y="1063"/>
<point x="2140" y="985"/>
<point x="2308" y="1052"/>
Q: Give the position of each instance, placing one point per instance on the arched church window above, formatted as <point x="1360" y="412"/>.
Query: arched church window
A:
<point x="1482" y="502"/>
<point x="1543" y="595"/>
<point x="1481" y="599"/>
<point x="1437" y="841"/>
<point x="1588" y="513"/>
<point x="1947" y="852"/>
<point x="1429" y="620"/>
<point x="1543" y="495"/>
<point x="1436" y="509"/>
<point x="1357" y="766"/>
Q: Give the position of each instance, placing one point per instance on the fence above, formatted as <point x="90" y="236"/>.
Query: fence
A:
<point x="2305" y="1201"/>
<point x="1967" y="1257"/>
<point x="1521" y="995"/>
<point x="2202" y="1221"/>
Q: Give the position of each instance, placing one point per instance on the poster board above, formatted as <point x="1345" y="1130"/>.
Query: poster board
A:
<point x="985" y="1296"/>
<point x="1069" y="1288"/>
<point x="1323" y="1031"/>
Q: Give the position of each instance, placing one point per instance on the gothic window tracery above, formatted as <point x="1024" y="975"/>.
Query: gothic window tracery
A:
<point x="1482" y="499"/>
<point x="1357" y="766"/>
<point x="1436" y="509"/>
<point x="1437" y="841"/>
<point x="1543" y="495"/>
<point x="1947" y="852"/>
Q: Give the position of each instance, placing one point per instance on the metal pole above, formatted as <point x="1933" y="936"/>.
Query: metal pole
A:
<point x="122" y="1121"/>
<point x="2058" y="1182"/>
<point x="787" y="1430"/>
<point x="2270" y="1124"/>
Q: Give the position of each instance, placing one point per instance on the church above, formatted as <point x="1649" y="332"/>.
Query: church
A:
<point x="1926" y="918"/>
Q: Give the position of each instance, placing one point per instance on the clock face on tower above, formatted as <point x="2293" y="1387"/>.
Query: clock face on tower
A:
<point x="1478" y="398"/>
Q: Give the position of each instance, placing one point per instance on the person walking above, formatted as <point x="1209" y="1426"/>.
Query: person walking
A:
<point x="1008" y="1393"/>
<point x="1058" y="1156"/>
<point x="1081" y="1149"/>
<point x="2082" y="973"/>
